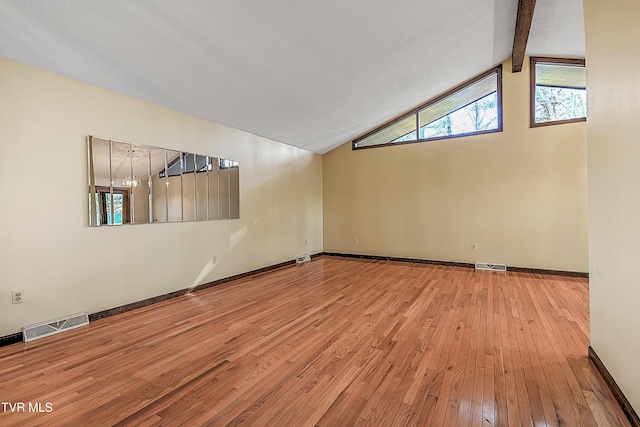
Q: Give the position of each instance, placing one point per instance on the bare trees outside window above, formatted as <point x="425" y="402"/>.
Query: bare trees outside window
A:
<point x="558" y="91"/>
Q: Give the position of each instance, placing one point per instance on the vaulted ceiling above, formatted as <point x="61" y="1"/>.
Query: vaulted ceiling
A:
<point x="313" y="74"/>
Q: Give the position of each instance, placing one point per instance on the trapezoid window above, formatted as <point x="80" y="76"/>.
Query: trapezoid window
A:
<point x="471" y="108"/>
<point x="558" y="91"/>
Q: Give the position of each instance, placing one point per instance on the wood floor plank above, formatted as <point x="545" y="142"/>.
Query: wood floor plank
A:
<point x="336" y="341"/>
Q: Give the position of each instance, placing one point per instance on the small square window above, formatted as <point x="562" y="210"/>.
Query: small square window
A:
<point x="558" y="91"/>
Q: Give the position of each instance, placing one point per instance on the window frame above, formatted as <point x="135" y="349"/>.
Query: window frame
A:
<point x="101" y="192"/>
<point x="416" y="111"/>
<point x="532" y="88"/>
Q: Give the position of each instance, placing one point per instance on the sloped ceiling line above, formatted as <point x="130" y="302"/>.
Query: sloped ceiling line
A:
<point x="305" y="73"/>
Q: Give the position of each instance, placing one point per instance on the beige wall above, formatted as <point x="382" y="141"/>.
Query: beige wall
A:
<point x="64" y="266"/>
<point x="521" y="194"/>
<point x="613" y="60"/>
<point x="141" y="201"/>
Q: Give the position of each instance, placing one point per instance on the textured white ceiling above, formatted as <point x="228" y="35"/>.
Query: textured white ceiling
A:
<point x="306" y="73"/>
<point x="557" y="29"/>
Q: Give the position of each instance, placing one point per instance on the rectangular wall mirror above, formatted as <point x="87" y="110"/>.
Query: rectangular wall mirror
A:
<point x="140" y="184"/>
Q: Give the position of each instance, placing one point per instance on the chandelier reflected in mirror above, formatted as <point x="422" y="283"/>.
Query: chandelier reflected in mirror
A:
<point x="131" y="182"/>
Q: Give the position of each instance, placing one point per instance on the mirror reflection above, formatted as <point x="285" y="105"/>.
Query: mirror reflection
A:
<point x="137" y="184"/>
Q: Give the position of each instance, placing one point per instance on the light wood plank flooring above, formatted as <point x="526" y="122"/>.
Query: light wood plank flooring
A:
<point x="334" y="342"/>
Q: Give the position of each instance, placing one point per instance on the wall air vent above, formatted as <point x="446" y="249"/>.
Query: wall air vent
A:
<point x="51" y="327"/>
<point x="303" y="258"/>
<point x="490" y="267"/>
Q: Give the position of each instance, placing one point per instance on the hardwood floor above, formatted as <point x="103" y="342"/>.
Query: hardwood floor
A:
<point x="334" y="342"/>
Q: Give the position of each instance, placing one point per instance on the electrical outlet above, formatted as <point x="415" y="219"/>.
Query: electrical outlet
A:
<point x="305" y="243"/>
<point x="214" y="259"/>
<point x="355" y="240"/>
<point x="17" y="297"/>
<point x="474" y="246"/>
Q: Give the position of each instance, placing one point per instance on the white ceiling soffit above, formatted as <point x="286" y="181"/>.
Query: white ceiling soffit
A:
<point x="306" y="73"/>
<point x="557" y="29"/>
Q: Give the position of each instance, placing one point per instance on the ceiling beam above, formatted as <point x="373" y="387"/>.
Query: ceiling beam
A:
<point x="523" y="25"/>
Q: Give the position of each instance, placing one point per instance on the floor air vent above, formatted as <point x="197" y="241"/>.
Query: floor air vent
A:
<point x="51" y="327"/>
<point x="303" y="258"/>
<point x="490" y="267"/>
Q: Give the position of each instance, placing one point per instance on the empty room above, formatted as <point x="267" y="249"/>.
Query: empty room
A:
<point x="331" y="213"/>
